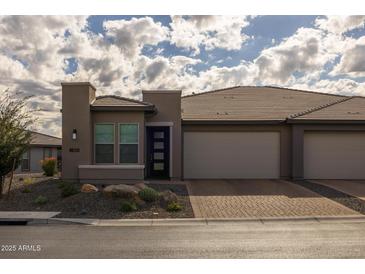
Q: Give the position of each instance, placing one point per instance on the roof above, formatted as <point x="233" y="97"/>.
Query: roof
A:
<point x="244" y="103"/>
<point x="40" y="139"/>
<point x="112" y="102"/>
<point x="353" y="108"/>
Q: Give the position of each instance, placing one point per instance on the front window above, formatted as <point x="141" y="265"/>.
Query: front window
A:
<point x="25" y="161"/>
<point x="104" y="143"/>
<point x="128" y="143"/>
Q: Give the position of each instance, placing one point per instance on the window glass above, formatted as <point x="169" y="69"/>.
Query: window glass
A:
<point x="104" y="154"/>
<point x="47" y="153"/>
<point x="128" y="147"/>
<point x="128" y="153"/>
<point x="104" y="143"/>
<point x="129" y="134"/>
<point x="104" y="133"/>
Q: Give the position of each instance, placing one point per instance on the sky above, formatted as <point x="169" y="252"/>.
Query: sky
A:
<point x="122" y="55"/>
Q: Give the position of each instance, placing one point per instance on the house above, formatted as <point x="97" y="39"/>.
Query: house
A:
<point x="41" y="146"/>
<point x="232" y="133"/>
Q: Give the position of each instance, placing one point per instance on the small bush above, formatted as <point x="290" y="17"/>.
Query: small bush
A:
<point x="41" y="200"/>
<point x="148" y="194"/>
<point x="27" y="182"/>
<point x="68" y="189"/>
<point x="49" y="166"/>
<point x="127" y="206"/>
<point x="26" y="190"/>
<point x="173" y="207"/>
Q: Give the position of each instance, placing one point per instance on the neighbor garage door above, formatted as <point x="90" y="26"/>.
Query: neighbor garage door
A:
<point x="334" y="155"/>
<point x="231" y="155"/>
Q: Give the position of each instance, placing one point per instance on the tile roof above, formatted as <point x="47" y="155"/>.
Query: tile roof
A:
<point x="351" y="109"/>
<point x="40" y="139"/>
<point x="112" y="100"/>
<point x="252" y="103"/>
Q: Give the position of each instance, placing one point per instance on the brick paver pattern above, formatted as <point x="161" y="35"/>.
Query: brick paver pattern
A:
<point x="257" y="199"/>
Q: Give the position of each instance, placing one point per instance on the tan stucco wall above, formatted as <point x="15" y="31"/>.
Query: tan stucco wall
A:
<point x="168" y="104"/>
<point x="285" y="139"/>
<point x="76" y="114"/>
<point x="117" y="118"/>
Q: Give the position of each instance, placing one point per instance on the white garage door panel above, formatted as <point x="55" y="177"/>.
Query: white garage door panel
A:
<point x="334" y="155"/>
<point x="231" y="155"/>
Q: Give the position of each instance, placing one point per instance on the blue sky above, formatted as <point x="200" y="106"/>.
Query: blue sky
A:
<point x="123" y="54"/>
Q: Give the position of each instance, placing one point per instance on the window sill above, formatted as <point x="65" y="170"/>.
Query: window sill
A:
<point x="131" y="166"/>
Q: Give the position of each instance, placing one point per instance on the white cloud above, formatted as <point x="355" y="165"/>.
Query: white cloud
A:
<point x="225" y="32"/>
<point x="353" y="60"/>
<point x="340" y="24"/>
<point x="132" y="35"/>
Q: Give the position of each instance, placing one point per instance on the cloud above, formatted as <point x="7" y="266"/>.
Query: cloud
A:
<point x="193" y="32"/>
<point x="132" y="35"/>
<point x="353" y="60"/>
<point x="340" y="24"/>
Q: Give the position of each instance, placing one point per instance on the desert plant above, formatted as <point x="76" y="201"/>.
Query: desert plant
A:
<point x="41" y="200"/>
<point x="15" y="120"/>
<point x="127" y="206"/>
<point x="148" y="194"/>
<point x="173" y="207"/>
<point x="49" y="166"/>
<point x="69" y="189"/>
<point x="27" y="182"/>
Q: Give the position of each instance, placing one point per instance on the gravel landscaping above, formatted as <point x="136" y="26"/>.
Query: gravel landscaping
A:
<point x="345" y="199"/>
<point x="88" y="205"/>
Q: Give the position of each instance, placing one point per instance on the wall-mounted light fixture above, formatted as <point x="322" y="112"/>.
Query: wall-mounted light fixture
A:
<point x="74" y="134"/>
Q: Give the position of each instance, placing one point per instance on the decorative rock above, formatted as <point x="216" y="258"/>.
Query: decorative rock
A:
<point x="139" y="202"/>
<point x="167" y="197"/>
<point x="122" y="191"/>
<point x="87" y="188"/>
<point x="140" y="186"/>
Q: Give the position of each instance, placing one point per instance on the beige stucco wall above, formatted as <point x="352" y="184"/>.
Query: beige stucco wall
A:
<point x="76" y="114"/>
<point x="168" y="104"/>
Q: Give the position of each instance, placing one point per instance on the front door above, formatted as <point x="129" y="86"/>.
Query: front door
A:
<point x="158" y="152"/>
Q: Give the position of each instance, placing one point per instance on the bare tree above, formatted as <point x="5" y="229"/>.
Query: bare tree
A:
<point x="15" y="120"/>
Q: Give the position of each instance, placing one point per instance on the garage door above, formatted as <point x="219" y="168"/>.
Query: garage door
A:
<point x="334" y="155"/>
<point x="231" y="155"/>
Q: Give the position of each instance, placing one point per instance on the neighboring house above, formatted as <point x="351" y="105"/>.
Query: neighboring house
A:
<point x="41" y="146"/>
<point x="233" y="133"/>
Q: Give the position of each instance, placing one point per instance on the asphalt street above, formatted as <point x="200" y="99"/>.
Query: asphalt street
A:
<point x="271" y="239"/>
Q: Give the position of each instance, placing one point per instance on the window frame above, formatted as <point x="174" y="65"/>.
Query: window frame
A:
<point x="120" y="142"/>
<point x="113" y="143"/>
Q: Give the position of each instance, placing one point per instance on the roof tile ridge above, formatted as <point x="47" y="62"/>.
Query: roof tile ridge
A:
<point x="124" y="98"/>
<point x="208" y="92"/>
<point x="320" y="107"/>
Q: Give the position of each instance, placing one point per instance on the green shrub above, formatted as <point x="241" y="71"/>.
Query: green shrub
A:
<point x="148" y="194"/>
<point x="68" y="189"/>
<point x="173" y="207"/>
<point x="41" y="200"/>
<point x="26" y="190"/>
<point x="127" y="206"/>
<point x="49" y="166"/>
<point x="27" y="182"/>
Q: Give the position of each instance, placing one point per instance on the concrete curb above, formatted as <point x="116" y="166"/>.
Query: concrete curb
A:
<point x="189" y="221"/>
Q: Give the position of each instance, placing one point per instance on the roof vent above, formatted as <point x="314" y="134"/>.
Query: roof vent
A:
<point x="350" y="112"/>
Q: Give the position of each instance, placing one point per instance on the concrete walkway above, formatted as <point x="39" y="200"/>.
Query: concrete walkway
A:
<point x="258" y="199"/>
<point x="350" y="187"/>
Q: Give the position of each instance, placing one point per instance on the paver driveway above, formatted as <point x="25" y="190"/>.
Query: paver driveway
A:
<point x="258" y="198"/>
